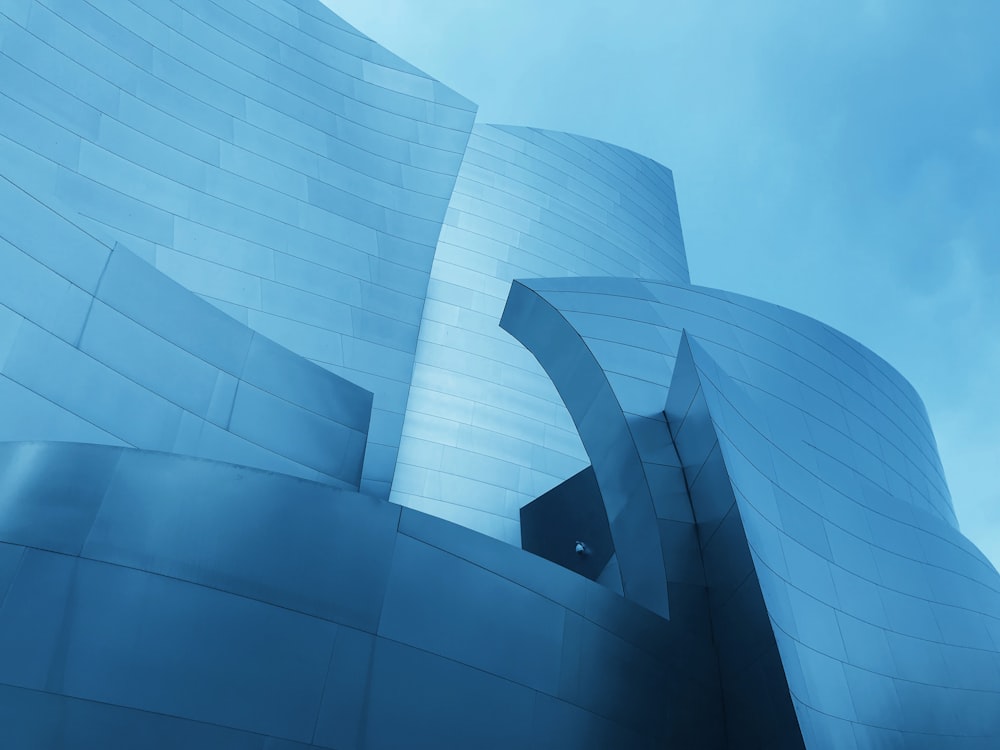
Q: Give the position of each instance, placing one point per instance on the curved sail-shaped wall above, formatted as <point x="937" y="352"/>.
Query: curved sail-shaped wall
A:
<point x="815" y="517"/>
<point x="485" y="432"/>
<point x="162" y="601"/>
<point x="247" y="257"/>
<point x="98" y="346"/>
<point x="266" y="156"/>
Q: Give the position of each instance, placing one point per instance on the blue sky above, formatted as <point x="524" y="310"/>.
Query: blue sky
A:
<point x="841" y="159"/>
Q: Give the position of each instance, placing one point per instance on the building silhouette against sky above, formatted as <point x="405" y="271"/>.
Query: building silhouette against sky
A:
<point x="295" y="356"/>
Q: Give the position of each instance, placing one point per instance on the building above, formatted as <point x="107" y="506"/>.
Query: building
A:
<point x="293" y="353"/>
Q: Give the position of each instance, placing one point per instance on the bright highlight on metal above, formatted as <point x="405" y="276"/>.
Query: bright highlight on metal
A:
<point x="332" y="418"/>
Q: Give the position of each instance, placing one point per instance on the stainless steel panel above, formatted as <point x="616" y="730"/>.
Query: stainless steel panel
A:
<point x="52" y="507"/>
<point x="495" y="625"/>
<point x="318" y="190"/>
<point x="416" y="694"/>
<point x="315" y="551"/>
<point x="26" y="721"/>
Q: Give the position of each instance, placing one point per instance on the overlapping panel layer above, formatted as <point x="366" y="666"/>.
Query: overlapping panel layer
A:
<point x="96" y="345"/>
<point x="819" y="455"/>
<point x="630" y="469"/>
<point x="886" y="618"/>
<point x="804" y="369"/>
<point x="264" y="154"/>
<point x="166" y="601"/>
<point x="485" y="431"/>
<point x="759" y="708"/>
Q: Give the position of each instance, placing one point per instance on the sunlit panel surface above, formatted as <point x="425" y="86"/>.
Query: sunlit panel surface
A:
<point x="267" y="156"/>
<point x="160" y="601"/>
<point x="485" y="432"/>
<point x="259" y="277"/>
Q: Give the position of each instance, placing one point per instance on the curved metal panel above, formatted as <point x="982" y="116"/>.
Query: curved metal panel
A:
<point x="485" y="432"/>
<point x="770" y="484"/>
<point x="820" y="508"/>
<point x="132" y="358"/>
<point x="759" y="707"/>
<point x="568" y="525"/>
<point x="881" y="610"/>
<point x="222" y="604"/>
<point x="633" y="329"/>
<point x="266" y="156"/>
<point x="602" y="425"/>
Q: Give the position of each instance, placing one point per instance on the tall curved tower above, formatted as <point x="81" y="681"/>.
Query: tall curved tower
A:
<point x="331" y="419"/>
<point x="485" y="432"/>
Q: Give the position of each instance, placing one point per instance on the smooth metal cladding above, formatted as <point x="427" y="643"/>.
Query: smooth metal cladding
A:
<point x="98" y="346"/>
<point x="788" y="566"/>
<point x="265" y="155"/>
<point x="485" y="431"/>
<point x="838" y="582"/>
<point x="161" y="601"/>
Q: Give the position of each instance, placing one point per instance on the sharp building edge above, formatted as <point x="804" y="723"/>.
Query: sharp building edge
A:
<point x="332" y="418"/>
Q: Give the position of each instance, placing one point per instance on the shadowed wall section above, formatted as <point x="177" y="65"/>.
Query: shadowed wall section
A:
<point x="759" y="711"/>
<point x="168" y="600"/>
<point x="817" y="454"/>
<point x="879" y="607"/>
<point x="571" y="514"/>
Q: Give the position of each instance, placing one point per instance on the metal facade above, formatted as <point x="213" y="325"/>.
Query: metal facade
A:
<point x="286" y="345"/>
<point x="485" y="431"/>
<point x="799" y="484"/>
<point x="266" y="156"/>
